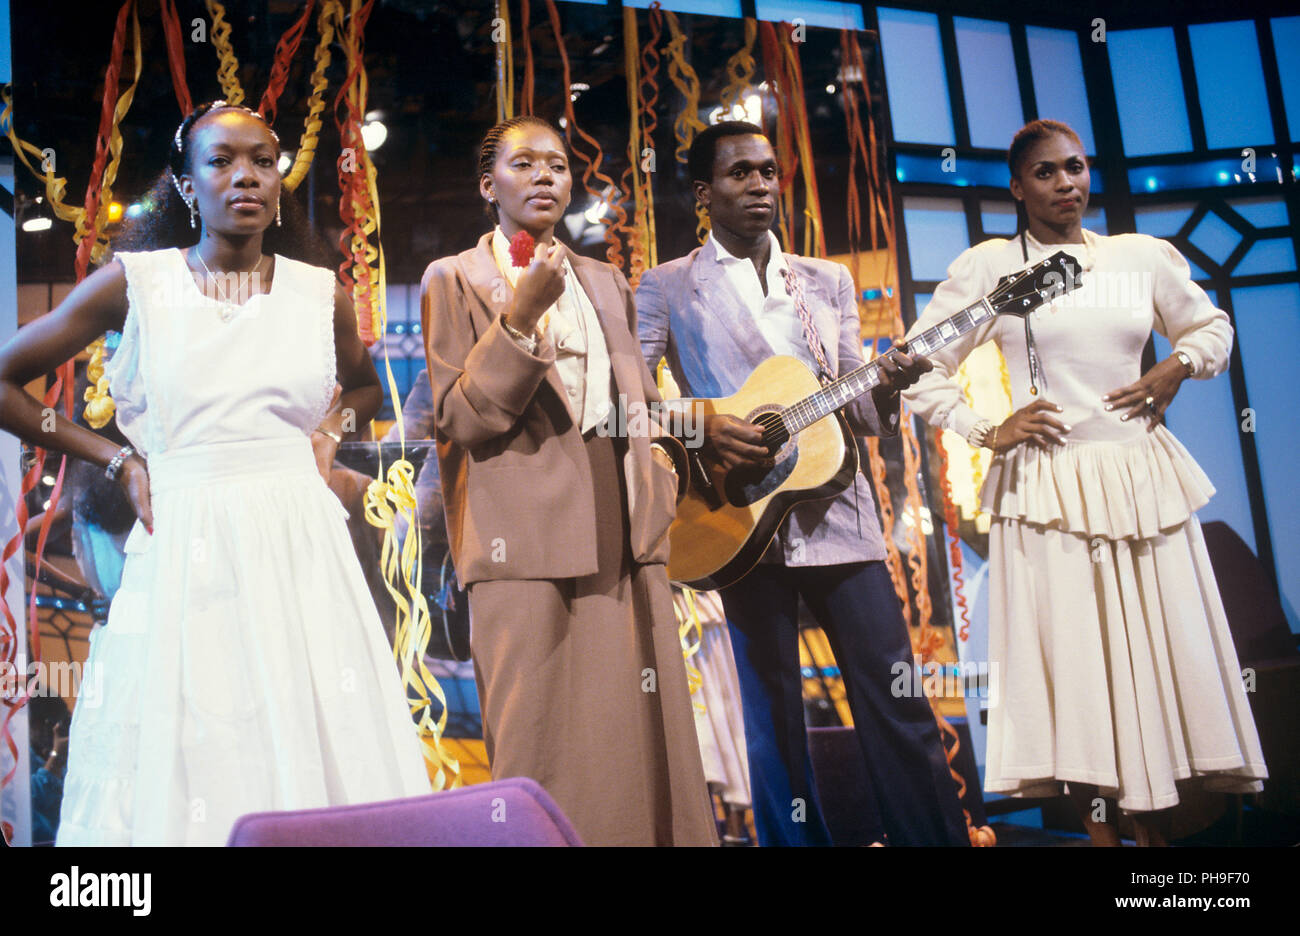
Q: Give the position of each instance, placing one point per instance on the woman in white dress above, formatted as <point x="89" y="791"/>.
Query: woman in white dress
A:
<point x="1118" y="670"/>
<point x="243" y="667"/>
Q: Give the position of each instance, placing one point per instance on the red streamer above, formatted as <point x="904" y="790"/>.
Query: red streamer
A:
<point x="617" y="198"/>
<point x="176" y="54"/>
<point x="285" y="51"/>
<point x="354" y="203"/>
<point x="63" y="384"/>
<point x="526" y="90"/>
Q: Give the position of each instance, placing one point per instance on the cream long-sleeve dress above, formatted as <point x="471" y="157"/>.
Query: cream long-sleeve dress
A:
<point x="1105" y="621"/>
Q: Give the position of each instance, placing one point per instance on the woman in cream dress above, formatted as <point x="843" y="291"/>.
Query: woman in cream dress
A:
<point x="1119" y="672"/>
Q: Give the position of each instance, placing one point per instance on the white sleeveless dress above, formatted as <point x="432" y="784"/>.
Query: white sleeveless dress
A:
<point x="244" y="667"/>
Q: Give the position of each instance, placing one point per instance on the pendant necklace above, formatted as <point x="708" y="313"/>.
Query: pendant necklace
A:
<point x="228" y="309"/>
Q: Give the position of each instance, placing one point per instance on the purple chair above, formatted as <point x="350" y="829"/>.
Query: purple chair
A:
<point x="509" y="812"/>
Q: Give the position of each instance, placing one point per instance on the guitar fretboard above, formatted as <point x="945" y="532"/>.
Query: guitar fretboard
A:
<point x="846" y="389"/>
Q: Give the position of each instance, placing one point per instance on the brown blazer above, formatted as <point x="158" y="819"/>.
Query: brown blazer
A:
<point x="515" y="477"/>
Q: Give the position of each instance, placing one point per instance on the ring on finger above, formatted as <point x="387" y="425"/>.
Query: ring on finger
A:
<point x="1150" y="403"/>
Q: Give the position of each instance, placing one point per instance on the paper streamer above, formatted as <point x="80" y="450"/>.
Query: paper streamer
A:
<point x="228" y="65"/>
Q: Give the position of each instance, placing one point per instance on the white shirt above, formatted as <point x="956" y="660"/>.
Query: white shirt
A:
<point x="581" y="356"/>
<point x="774" y="313"/>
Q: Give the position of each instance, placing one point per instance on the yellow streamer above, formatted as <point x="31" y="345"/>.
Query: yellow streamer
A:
<point x="643" y="253"/>
<point x="505" y="65"/>
<point x="331" y="13"/>
<point x="740" y="70"/>
<point x="686" y="622"/>
<point x="99" y="405"/>
<point x="228" y="65"/>
<point x="392" y="495"/>
<point x="683" y="76"/>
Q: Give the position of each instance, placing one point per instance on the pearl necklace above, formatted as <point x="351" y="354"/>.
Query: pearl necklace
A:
<point x="228" y="309"/>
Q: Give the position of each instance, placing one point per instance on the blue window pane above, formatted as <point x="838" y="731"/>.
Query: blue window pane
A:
<point x="1059" y="90"/>
<point x="936" y="234"/>
<point x="919" y="108"/>
<point x="703" y="7"/>
<point x="965" y="170"/>
<point x="1262" y="212"/>
<point x="1268" y="329"/>
<point x="922" y="300"/>
<point x="1094" y="219"/>
<point x="1204" y="418"/>
<point x="1276" y="255"/>
<point x="1162" y="220"/>
<point x="998" y="217"/>
<point x="829" y="13"/>
<point x="1149" y="91"/>
<point x="1206" y="173"/>
<point x="988" y="78"/>
<point x="1215" y="238"/>
<point x="1286" y="43"/>
<point x="1230" y="82"/>
<point x="396" y="304"/>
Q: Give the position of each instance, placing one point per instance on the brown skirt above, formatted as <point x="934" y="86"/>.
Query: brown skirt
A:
<point x="582" y="688"/>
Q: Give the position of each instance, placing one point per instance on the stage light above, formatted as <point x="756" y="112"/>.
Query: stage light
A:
<point x="373" y="135"/>
<point x="596" y="212"/>
<point x="1151" y="183"/>
<point x="577" y="88"/>
<point x="830" y="89"/>
<point x="1223" y="177"/>
<point x="134" y="210"/>
<point x="286" y="159"/>
<point x="48" y="480"/>
<point x="41" y="223"/>
<point x="115" y="210"/>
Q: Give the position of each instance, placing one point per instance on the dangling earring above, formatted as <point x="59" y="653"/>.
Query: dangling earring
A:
<point x="194" y="214"/>
<point x="277" y="214"/>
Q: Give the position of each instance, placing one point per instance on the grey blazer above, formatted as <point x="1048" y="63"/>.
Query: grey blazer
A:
<point x="689" y="313"/>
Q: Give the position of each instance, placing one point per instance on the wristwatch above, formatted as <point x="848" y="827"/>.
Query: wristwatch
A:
<point x="1186" y="362"/>
<point x="527" y="342"/>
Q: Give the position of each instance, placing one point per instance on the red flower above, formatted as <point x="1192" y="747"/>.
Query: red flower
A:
<point x="522" y="246"/>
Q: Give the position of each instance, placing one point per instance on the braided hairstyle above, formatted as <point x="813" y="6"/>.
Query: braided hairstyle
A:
<point x="487" y="150"/>
<point x="165" y="220"/>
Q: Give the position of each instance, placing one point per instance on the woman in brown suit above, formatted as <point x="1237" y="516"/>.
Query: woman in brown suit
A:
<point x="557" y="526"/>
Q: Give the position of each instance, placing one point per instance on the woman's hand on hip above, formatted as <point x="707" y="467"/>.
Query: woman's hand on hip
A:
<point x="1032" y="423"/>
<point x="324" y="447"/>
<point x="134" y="479"/>
<point x="1151" y="395"/>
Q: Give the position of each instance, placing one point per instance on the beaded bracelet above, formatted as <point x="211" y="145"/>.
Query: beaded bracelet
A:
<point x="114" y="467"/>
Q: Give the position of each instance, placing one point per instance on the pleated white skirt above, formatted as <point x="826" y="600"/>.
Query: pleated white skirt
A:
<point x="243" y="668"/>
<point x="1117" y="668"/>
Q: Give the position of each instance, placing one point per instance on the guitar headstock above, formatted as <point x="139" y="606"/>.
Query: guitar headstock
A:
<point x="1048" y="279"/>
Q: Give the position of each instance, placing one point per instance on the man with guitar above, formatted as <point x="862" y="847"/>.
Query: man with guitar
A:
<point x="717" y="314"/>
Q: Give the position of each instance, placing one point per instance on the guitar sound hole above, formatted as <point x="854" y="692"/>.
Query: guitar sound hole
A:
<point x="747" y="486"/>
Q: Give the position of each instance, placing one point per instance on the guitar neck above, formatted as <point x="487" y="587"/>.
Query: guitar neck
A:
<point x="840" y="393"/>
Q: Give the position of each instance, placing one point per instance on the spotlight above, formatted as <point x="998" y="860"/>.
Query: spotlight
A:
<point x="373" y="134"/>
<point x="286" y="159"/>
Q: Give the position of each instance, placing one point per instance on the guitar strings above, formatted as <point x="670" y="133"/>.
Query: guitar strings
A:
<point x="804" y="413"/>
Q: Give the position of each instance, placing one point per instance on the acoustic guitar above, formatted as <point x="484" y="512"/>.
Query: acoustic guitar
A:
<point x="727" y="519"/>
